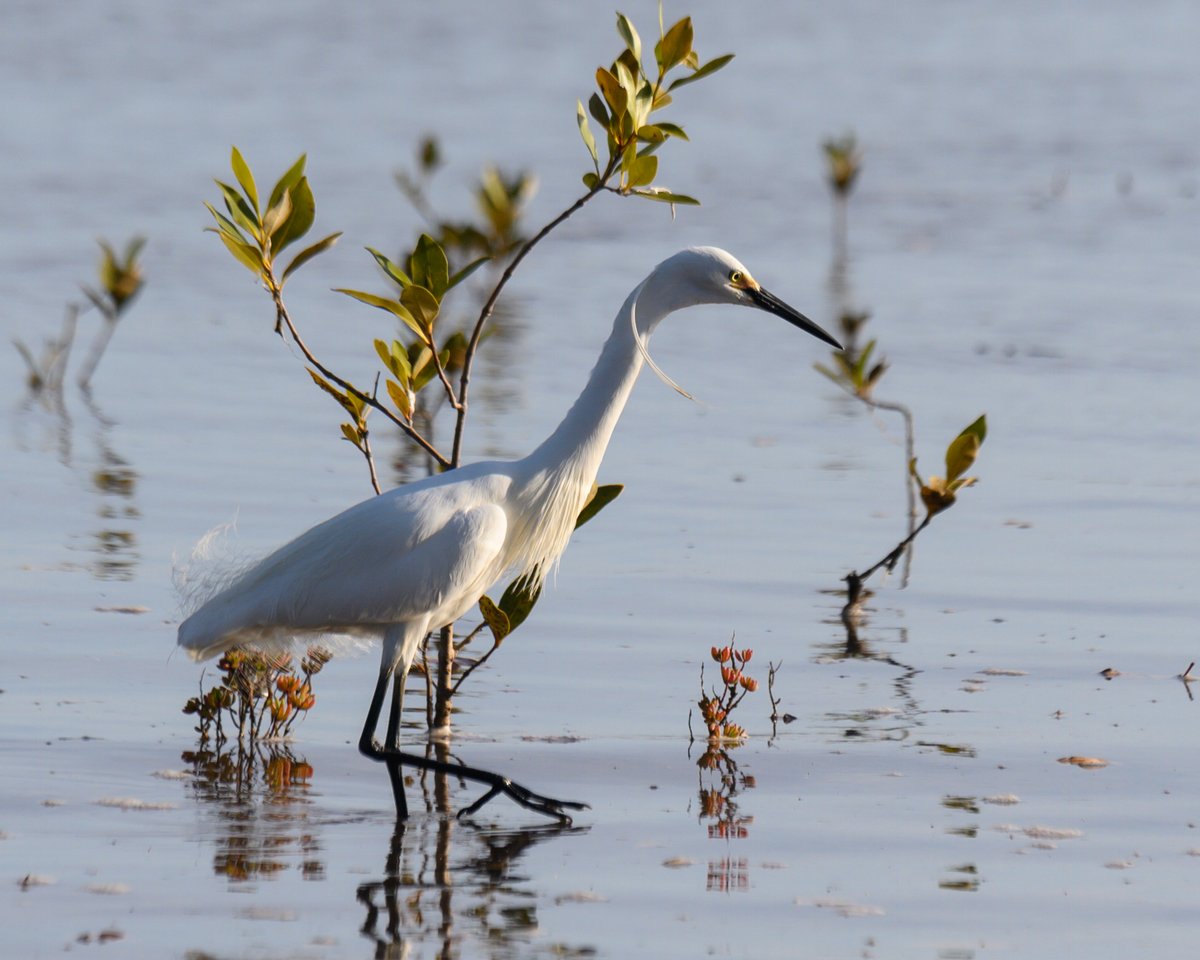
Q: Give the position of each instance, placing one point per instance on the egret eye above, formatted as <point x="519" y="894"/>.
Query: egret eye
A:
<point x="736" y="277"/>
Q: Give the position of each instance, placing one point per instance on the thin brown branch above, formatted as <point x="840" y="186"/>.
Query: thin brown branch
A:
<point x="490" y="305"/>
<point x="284" y="319"/>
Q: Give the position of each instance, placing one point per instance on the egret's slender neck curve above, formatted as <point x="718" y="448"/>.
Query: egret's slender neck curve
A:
<point x="578" y="443"/>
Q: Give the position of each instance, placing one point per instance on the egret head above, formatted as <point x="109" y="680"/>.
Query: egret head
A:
<point x="711" y="275"/>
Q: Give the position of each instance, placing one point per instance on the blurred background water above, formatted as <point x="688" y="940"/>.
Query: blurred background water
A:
<point x="1024" y="237"/>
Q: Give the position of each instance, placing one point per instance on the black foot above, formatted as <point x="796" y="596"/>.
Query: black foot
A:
<point x="498" y="784"/>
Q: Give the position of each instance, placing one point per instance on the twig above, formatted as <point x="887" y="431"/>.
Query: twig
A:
<point x="490" y="305"/>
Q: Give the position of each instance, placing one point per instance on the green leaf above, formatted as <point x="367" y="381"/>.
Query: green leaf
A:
<point x="601" y="497"/>
<point x="421" y="304"/>
<point x="663" y="195"/>
<point x="585" y="131"/>
<point x="308" y="253"/>
<point x="632" y="41"/>
<point x="651" y="133"/>
<point x="240" y="211"/>
<point x="288" y="180"/>
<point x="642" y="171"/>
<point x="964" y="448"/>
<point x="227" y="226"/>
<point x="334" y="392"/>
<point x="518" y="600"/>
<point x="713" y="65"/>
<point x="393" y="271"/>
<point x="245" y="254"/>
<point x="495" y="618"/>
<point x="276" y="217"/>
<point x="241" y="170"/>
<point x="394" y="307"/>
<point x="428" y="266"/>
<point x="672" y="130"/>
<point x="599" y="111"/>
<point x="674" y="47"/>
<point x="614" y="94"/>
<point x="466" y="271"/>
<point x="300" y="220"/>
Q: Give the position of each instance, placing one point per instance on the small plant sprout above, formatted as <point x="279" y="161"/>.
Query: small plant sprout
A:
<point x="718" y="704"/>
<point x="121" y="281"/>
<point x="844" y="161"/>
<point x="937" y="494"/>
<point x="258" y="693"/>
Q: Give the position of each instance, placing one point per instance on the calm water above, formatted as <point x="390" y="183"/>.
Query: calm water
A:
<point x="1024" y="237"/>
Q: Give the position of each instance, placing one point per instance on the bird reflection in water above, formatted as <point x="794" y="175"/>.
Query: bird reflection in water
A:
<point x="458" y="890"/>
<point x="448" y="887"/>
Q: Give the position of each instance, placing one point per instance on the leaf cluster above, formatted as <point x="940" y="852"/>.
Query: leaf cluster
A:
<point x="845" y="161"/>
<point x="628" y="94"/>
<point x="120" y="278"/>
<point x="853" y="370"/>
<point x="258" y="693"/>
<point x="255" y="235"/>
<point x="939" y="493"/>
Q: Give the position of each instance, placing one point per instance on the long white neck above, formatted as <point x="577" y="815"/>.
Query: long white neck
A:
<point x="556" y="479"/>
<point x="578" y="443"/>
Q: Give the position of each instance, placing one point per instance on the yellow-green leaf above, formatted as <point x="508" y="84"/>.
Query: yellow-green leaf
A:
<point x="630" y="36"/>
<point x="585" y="131"/>
<point x="663" y="195"/>
<point x="246" y="255"/>
<point x="495" y="618"/>
<point x="290" y="178"/>
<point x="601" y="497"/>
<point x="642" y="171"/>
<point x="429" y="268"/>
<point x="421" y="304"/>
<point x="614" y="94"/>
<point x="713" y="65"/>
<point x="334" y="392"/>
<point x="300" y="220"/>
<point x="241" y="170"/>
<point x="402" y="398"/>
<point x="309" y="252"/>
<point x="674" y="47"/>
<point x="518" y="600"/>
<point x="393" y="271"/>
<point x="964" y="448"/>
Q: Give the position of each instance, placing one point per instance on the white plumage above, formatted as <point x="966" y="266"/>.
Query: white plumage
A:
<point x="418" y="557"/>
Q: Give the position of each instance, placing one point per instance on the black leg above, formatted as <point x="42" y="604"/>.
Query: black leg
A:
<point x="395" y="759"/>
<point x="369" y="746"/>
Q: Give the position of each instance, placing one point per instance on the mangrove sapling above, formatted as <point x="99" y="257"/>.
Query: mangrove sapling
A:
<point x="937" y="494"/>
<point x="629" y="94"/>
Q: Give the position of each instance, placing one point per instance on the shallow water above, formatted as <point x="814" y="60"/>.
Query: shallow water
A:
<point x="1024" y="235"/>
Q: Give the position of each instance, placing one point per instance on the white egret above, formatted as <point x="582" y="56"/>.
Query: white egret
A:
<point x="418" y="557"/>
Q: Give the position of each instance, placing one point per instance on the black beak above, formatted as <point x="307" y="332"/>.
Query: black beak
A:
<point x="772" y="304"/>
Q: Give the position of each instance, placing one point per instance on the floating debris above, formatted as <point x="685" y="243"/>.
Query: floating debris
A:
<point x="122" y="609"/>
<point x="1108" y="673"/>
<point x="676" y="863"/>
<point x="132" y="803"/>
<point x="1087" y="763"/>
<point x="35" y="880"/>
<point x="843" y="908"/>
<point x="108" y="889"/>
<point x="1003" y="672"/>
<point x="1003" y="799"/>
<point x="172" y="774"/>
<point x="580" y="896"/>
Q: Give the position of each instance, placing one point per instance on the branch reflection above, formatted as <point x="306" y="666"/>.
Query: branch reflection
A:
<point x="448" y="888"/>
<point x="720" y="783"/>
